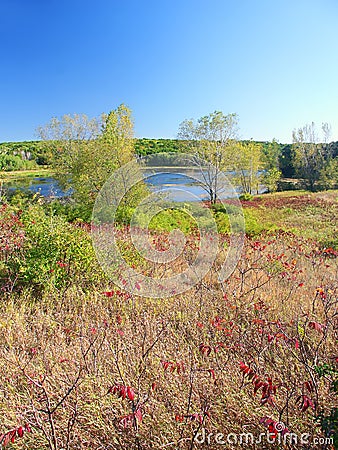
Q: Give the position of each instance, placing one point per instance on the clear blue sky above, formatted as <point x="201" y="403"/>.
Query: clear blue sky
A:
<point x="273" y="62"/>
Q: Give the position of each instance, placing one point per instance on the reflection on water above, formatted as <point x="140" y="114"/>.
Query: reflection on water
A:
<point x="46" y="186"/>
<point x="182" y="185"/>
<point x="177" y="184"/>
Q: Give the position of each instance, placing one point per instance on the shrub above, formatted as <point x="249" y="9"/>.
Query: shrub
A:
<point x="44" y="251"/>
<point x="246" y="197"/>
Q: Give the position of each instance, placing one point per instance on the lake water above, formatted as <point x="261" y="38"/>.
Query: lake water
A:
<point x="177" y="184"/>
<point x="46" y="186"/>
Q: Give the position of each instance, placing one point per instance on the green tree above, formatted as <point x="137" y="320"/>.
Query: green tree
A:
<point x="271" y="153"/>
<point x="86" y="151"/>
<point x="329" y="174"/>
<point x="310" y="152"/>
<point x="247" y="163"/>
<point x="211" y="139"/>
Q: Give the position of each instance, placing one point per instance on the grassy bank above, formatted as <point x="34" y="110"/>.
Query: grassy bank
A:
<point x="22" y="174"/>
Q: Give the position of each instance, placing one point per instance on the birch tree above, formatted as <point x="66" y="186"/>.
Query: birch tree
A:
<point x="211" y="140"/>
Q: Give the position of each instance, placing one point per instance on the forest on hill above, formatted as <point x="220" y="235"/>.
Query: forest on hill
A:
<point x="31" y="154"/>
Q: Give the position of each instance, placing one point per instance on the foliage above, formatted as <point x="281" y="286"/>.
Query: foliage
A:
<point x="87" y="365"/>
<point x="247" y="163"/>
<point x="329" y="421"/>
<point x="309" y="155"/>
<point x="15" y="162"/>
<point x="270" y="154"/>
<point x="87" y="151"/>
<point x="145" y="147"/>
<point x="277" y="160"/>
<point x="328" y="177"/>
<point x="271" y="179"/>
<point x="41" y="251"/>
<point x="246" y="196"/>
<point x="211" y="139"/>
<point x="30" y="153"/>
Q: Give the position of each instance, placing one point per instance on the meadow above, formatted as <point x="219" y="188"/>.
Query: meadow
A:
<point x="85" y="365"/>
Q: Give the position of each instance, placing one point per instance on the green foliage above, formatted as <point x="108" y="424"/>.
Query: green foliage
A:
<point x="165" y="159"/>
<point x="15" y="162"/>
<point x="309" y="154"/>
<point x="172" y="219"/>
<point x="286" y="161"/>
<point x="47" y="252"/>
<point x="145" y="147"/>
<point x="328" y="178"/>
<point x="271" y="178"/>
<point x="246" y="197"/>
<point x="329" y="422"/>
<point x="211" y="139"/>
<point x="271" y="152"/>
<point x="30" y="153"/>
<point x="247" y="163"/>
<point x="87" y="151"/>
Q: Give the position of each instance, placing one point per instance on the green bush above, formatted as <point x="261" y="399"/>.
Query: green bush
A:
<point x="246" y="197"/>
<point x="14" y="162"/>
<point x="52" y="252"/>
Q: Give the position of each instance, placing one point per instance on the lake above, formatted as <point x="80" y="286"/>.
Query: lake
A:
<point x="178" y="184"/>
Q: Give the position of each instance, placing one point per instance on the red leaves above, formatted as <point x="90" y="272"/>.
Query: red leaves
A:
<point x="257" y="385"/>
<point x="330" y="252"/>
<point x="172" y="366"/>
<point x="212" y="373"/>
<point x="122" y="391"/>
<point x="217" y="323"/>
<point x="129" y="420"/>
<point x="320" y="291"/>
<point x="268" y="388"/>
<point x="305" y="402"/>
<point x="108" y="293"/>
<point x="12" y="234"/>
<point x="309" y="386"/>
<point x="316" y="326"/>
<point x="205" y="349"/>
<point x="246" y="370"/>
<point x="138" y="415"/>
<point x="274" y="427"/>
<point x="61" y="264"/>
<point x="124" y="295"/>
<point x="196" y="416"/>
<point x="258" y="246"/>
<point x="10" y="436"/>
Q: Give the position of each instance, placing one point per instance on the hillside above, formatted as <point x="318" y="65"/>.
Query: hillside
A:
<point x="30" y="154"/>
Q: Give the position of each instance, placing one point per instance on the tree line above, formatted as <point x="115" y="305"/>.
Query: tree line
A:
<point x="84" y="151"/>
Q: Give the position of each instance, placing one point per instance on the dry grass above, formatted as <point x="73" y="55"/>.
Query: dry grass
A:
<point x="60" y="356"/>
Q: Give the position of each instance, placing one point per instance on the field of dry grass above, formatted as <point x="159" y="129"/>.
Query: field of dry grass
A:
<point x="93" y="368"/>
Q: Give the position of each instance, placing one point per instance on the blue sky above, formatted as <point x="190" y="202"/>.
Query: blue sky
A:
<point x="274" y="63"/>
